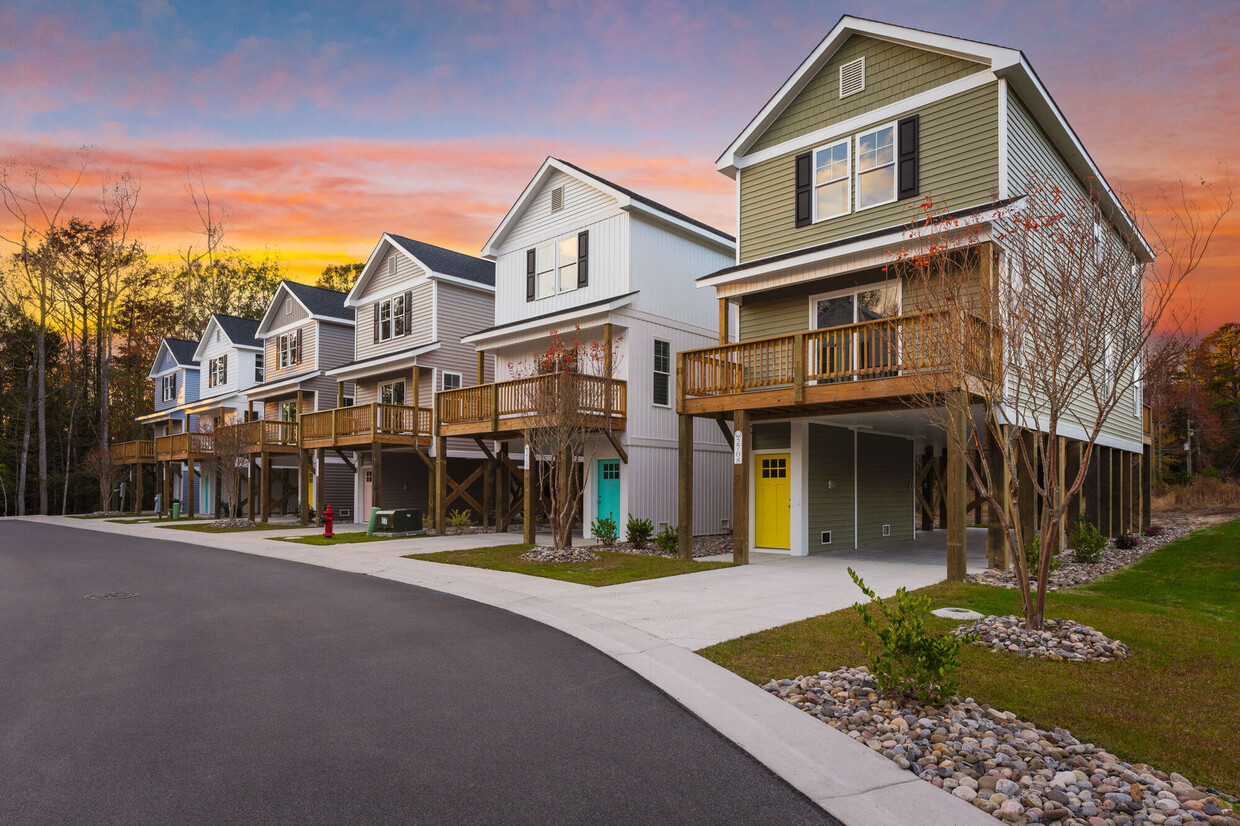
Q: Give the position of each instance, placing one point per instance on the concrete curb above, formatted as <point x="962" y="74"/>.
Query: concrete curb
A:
<point x="849" y="781"/>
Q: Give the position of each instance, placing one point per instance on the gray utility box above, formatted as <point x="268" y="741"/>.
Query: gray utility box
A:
<point x="397" y="522"/>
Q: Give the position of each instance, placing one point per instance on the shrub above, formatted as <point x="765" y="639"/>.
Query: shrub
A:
<point x="1033" y="553"/>
<point x="668" y="540"/>
<point x="1155" y="530"/>
<point x="460" y="519"/>
<point x="905" y="659"/>
<point x="1087" y="542"/>
<point x="1126" y="541"/>
<point x="1202" y="493"/>
<point x="605" y="529"/>
<point x="638" y="531"/>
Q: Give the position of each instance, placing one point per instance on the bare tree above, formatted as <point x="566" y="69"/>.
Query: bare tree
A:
<point x="106" y="472"/>
<point x="228" y="458"/>
<point x="567" y="393"/>
<point x="1047" y="338"/>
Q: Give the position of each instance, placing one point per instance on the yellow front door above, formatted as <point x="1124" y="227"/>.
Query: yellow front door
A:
<point x="771" y="498"/>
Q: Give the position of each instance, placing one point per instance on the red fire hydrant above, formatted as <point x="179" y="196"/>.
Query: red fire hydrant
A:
<point x="328" y="518"/>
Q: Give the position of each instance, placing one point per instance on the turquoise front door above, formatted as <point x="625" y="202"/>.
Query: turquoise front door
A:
<point x="609" y="489"/>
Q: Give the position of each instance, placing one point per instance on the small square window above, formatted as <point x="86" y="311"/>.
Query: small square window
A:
<point x="451" y="381"/>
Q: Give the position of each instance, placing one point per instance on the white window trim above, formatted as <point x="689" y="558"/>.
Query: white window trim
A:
<point x="895" y="165"/>
<point x="655" y="372"/>
<point x="260" y="367"/>
<point x="860" y="288"/>
<point x="383" y="386"/>
<point x="390" y="301"/>
<point x="165" y="384"/>
<point x="213" y="371"/>
<point x="443" y="375"/>
<point x="556" y="264"/>
<point x="847" y="179"/>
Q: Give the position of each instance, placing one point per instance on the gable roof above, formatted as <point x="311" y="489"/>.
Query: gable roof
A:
<point x="627" y="198"/>
<point x="437" y="261"/>
<point x="321" y="304"/>
<point x="242" y="332"/>
<point x="181" y="350"/>
<point x="1003" y="62"/>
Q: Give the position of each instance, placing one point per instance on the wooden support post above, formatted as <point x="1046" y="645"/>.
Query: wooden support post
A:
<point x="303" y="487"/>
<point x="376" y="484"/>
<point x="320" y="474"/>
<point x="608" y="355"/>
<point x="1146" y="482"/>
<point x="441" y="484"/>
<point x="927" y="489"/>
<point x="528" y="493"/>
<point x="166" y="479"/>
<point x="1071" y="469"/>
<point x="189" y="486"/>
<point x="1089" y="491"/>
<point x="503" y="489"/>
<point x="488" y="492"/>
<point x="740" y="488"/>
<point x="1132" y="488"/>
<point x="723" y="321"/>
<point x="996" y="544"/>
<point x="798" y="368"/>
<point x="684" y="503"/>
<point x="339" y="395"/>
<point x="955" y="494"/>
<point x="251" y="488"/>
<point x="943" y="488"/>
<point x="137" y="494"/>
<point x="265" y="511"/>
<point x="481" y="369"/>
<point x="1117" y="491"/>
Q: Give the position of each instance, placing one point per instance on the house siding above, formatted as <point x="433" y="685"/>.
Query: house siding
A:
<point x="272" y="371"/>
<point x="421" y="320"/>
<point x="288" y="310"/>
<point x="884" y="487"/>
<point x="334" y="343"/>
<point x="959" y="164"/>
<point x="831" y="485"/>
<point x="892" y="72"/>
<point x="665" y="265"/>
<point x="462" y="311"/>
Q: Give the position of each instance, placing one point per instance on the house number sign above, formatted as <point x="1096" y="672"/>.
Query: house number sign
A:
<point x="737" y="437"/>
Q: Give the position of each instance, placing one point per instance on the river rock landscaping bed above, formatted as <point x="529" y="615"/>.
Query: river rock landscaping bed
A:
<point x="552" y="555"/>
<point x="1003" y="765"/>
<point x="1072" y="573"/>
<point x="1059" y="640"/>
<point x="712" y="545"/>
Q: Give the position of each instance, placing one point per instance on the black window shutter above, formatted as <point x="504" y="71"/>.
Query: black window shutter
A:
<point x="376" y="319"/>
<point x="583" y="258"/>
<point x="908" y="163"/>
<point x="529" y="275"/>
<point x="174" y="386"/>
<point x="297" y="349"/>
<point x="224" y="369"/>
<point x="408" y="310"/>
<point x="805" y="188"/>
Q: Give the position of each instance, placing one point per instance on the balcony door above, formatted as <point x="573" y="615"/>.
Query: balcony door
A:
<point x="846" y="352"/>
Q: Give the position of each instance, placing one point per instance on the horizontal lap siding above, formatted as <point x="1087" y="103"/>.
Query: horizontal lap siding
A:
<point x="421" y="326"/>
<point x="773" y="436"/>
<point x="959" y="164"/>
<point x="406" y="482"/>
<point x="892" y="72"/>
<point x="272" y="371"/>
<point x="335" y="345"/>
<point x="785" y="311"/>
<point x="831" y="480"/>
<point x="462" y="312"/>
<point x="884" y="487"/>
<point x="337" y="487"/>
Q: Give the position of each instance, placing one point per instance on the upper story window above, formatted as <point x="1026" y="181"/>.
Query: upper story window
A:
<point x="391" y="319"/>
<point x="558" y="267"/>
<point x="662" y="372"/>
<point x="832" y="195"/>
<point x="392" y="393"/>
<point x="168" y="388"/>
<point x="258" y="367"/>
<point x="450" y="381"/>
<point x="876" y="167"/>
<point x="289" y="345"/>
<point x="217" y="371"/>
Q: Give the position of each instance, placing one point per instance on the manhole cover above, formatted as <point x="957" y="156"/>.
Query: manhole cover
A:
<point x="114" y="595"/>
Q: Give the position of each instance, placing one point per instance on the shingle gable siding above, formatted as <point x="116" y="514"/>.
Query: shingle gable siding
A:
<point x="959" y="157"/>
<point x="893" y="72"/>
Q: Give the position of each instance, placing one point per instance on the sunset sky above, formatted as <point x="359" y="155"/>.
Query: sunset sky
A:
<point x="319" y="126"/>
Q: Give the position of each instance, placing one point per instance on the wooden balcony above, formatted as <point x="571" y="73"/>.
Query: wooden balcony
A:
<point x="259" y="436"/>
<point x="870" y="364"/>
<point x="518" y="404"/>
<point x="133" y="453"/>
<point x="182" y="447"/>
<point x="365" y="424"/>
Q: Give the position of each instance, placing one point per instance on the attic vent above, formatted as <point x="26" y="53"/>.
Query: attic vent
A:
<point x="557" y="199"/>
<point x="392" y="265"/>
<point x="852" y="77"/>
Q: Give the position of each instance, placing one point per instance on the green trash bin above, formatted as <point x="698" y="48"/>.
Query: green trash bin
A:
<point x="370" y="523"/>
<point x="176" y="510"/>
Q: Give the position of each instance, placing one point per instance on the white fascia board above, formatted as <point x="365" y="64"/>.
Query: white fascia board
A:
<point x="996" y="56"/>
<point x="543" y="325"/>
<point x="271" y="305"/>
<point x="158" y="416"/>
<point x="353" y="299"/>
<point x="204" y="340"/>
<point x="463" y="282"/>
<point x="350" y="372"/>
<point x="628" y="204"/>
<point x="232" y="400"/>
<point x="854" y="124"/>
<point x="490" y="250"/>
<point x="262" y="391"/>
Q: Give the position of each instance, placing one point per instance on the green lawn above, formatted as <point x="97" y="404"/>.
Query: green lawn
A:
<point x="207" y="527"/>
<point x="1175" y="703"/>
<point x="152" y="518"/>
<point x="338" y="539"/>
<point x="613" y="569"/>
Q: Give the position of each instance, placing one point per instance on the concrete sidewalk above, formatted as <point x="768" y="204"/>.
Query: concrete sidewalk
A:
<point x="653" y="627"/>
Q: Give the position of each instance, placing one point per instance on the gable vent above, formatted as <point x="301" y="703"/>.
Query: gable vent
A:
<point x="852" y="77"/>
<point x="557" y="199"/>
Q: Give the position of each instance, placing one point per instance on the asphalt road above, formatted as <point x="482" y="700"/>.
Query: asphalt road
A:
<point x="237" y="689"/>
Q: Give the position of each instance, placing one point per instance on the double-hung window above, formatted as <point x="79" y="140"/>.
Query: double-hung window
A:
<point x="288" y="411"/>
<point x="832" y="195"/>
<point x="876" y="167"/>
<point x="557" y="267"/>
<point x="217" y="371"/>
<point x="662" y="372"/>
<point x="392" y="318"/>
<point x="258" y="367"/>
<point x="392" y="393"/>
<point x="289" y="351"/>
<point x="450" y="381"/>
<point x="168" y="388"/>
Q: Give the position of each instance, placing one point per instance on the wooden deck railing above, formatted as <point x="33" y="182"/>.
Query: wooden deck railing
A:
<point x="142" y="450"/>
<point x="869" y="350"/>
<point x="366" y="422"/>
<point x="535" y="395"/>
<point x="258" y="435"/>
<point x="182" y="446"/>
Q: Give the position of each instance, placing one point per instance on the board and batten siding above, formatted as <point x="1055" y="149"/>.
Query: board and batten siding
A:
<point x="665" y="267"/>
<point x="959" y="164"/>
<point x="893" y="72"/>
<point x="411" y="278"/>
<point x="652" y="489"/>
<point x="884" y="487"/>
<point x="585" y="208"/>
<point x="831" y="487"/>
